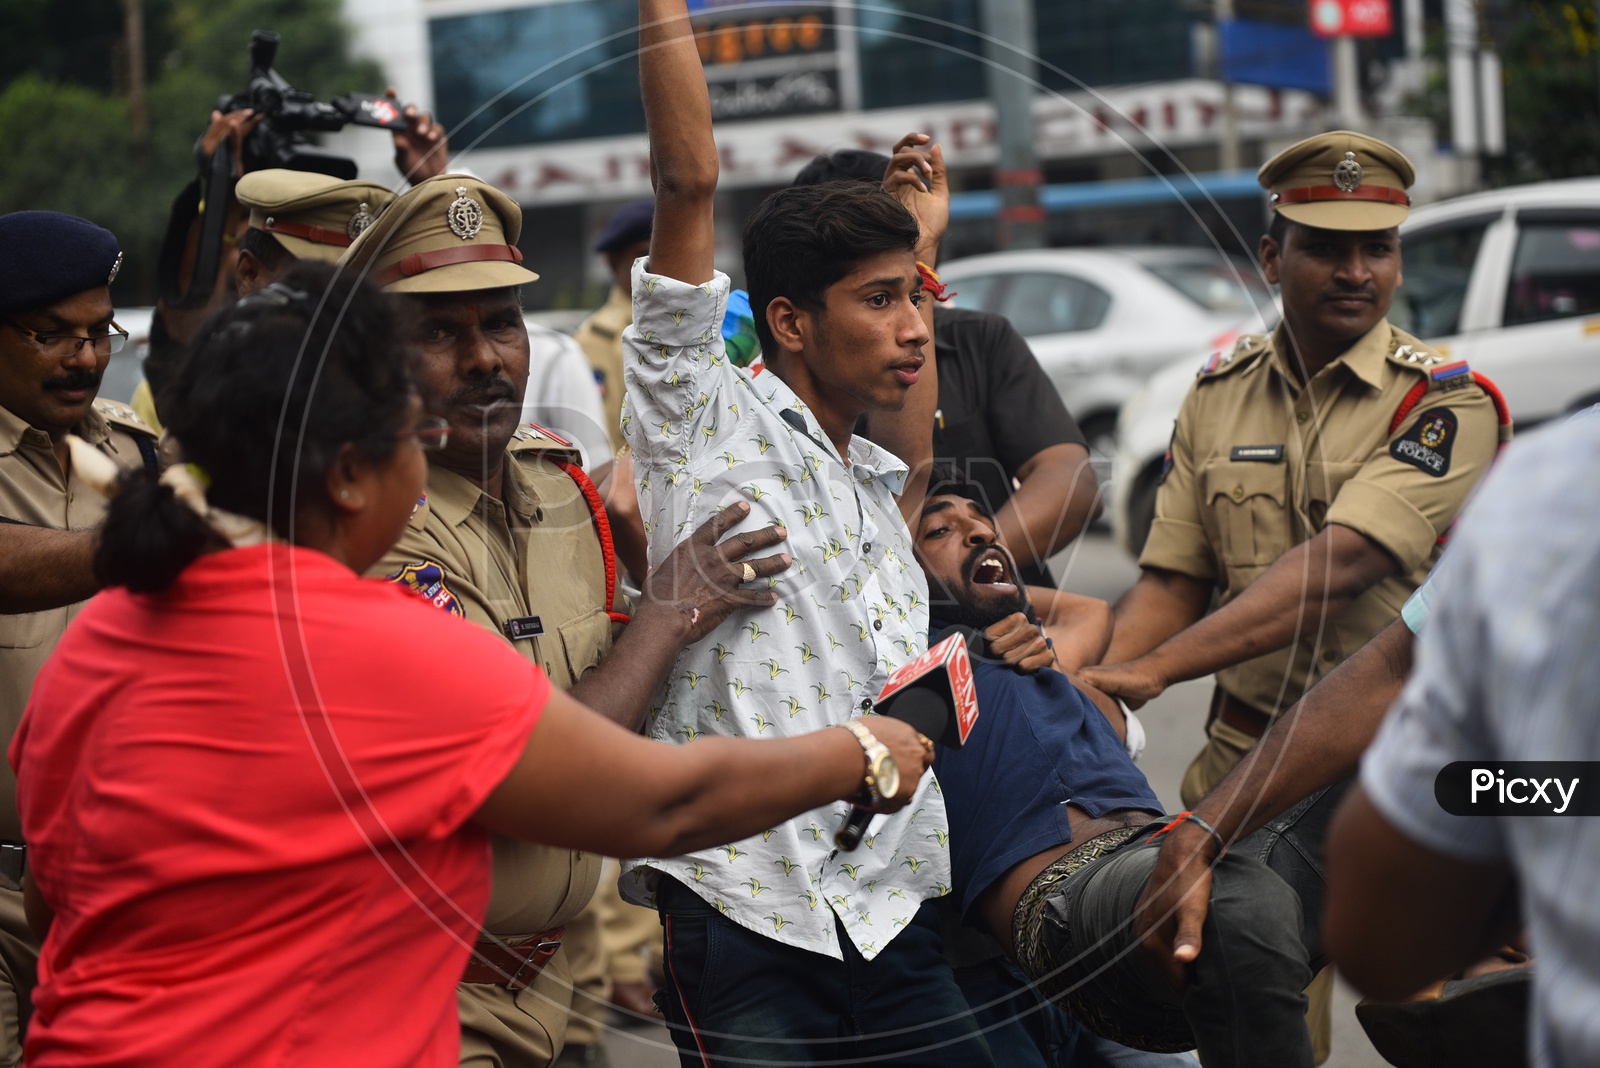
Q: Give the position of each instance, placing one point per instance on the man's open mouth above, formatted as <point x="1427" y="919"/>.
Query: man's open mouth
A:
<point x="993" y="570"/>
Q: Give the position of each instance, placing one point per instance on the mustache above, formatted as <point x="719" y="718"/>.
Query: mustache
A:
<point x="487" y="391"/>
<point x="73" y="380"/>
<point x="1346" y="292"/>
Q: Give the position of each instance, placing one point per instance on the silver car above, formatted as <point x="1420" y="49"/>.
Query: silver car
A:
<point x="1102" y="320"/>
<point x="1507" y="280"/>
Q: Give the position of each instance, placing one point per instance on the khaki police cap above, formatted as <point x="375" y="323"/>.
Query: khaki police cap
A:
<point x="1340" y="181"/>
<point x="313" y="216"/>
<point x="451" y="234"/>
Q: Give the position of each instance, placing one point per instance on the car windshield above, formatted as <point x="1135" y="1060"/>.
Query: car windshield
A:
<point x="1219" y="287"/>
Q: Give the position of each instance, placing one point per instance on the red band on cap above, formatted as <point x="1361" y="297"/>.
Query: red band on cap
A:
<point x="419" y="262"/>
<point x="320" y="234"/>
<point x="1309" y="193"/>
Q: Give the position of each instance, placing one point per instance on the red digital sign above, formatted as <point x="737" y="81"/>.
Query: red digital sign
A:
<point x="1352" y="18"/>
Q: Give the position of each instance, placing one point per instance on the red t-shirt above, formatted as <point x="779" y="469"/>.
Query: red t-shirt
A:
<point x="246" y="799"/>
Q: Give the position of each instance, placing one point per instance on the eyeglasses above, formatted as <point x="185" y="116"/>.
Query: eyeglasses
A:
<point x="69" y="344"/>
<point x="431" y="434"/>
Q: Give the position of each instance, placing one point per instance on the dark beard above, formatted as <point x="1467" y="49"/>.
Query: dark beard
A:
<point x="963" y="606"/>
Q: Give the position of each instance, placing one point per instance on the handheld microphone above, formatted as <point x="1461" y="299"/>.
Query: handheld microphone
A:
<point x="933" y="693"/>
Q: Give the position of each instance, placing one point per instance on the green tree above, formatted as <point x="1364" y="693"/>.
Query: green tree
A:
<point x="1550" y="60"/>
<point x="64" y="124"/>
<point x="1552" y="92"/>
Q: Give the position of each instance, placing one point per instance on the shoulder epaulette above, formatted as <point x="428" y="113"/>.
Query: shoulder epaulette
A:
<point x="1412" y="354"/>
<point x="122" y="416"/>
<point x="531" y="437"/>
<point x="419" y="514"/>
<point x="1224" y="361"/>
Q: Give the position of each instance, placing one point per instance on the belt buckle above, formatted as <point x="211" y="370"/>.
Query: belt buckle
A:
<point x="538" y="948"/>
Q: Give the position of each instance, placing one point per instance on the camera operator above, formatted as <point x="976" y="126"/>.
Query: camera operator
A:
<point x="259" y="129"/>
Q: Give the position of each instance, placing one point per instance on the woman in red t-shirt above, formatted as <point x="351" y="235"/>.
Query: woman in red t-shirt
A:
<point x="256" y="787"/>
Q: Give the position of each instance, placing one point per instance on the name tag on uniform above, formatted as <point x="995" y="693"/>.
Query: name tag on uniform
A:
<point x="1267" y="454"/>
<point x="524" y="627"/>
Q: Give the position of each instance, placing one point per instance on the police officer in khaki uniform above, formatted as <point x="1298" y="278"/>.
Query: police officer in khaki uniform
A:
<point x="511" y="536"/>
<point x="294" y="215"/>
<point x="1314" y="473"/>
<point x="297" y="215"/>
<point x="625" y="238"/>
<point x="56" y="335"/>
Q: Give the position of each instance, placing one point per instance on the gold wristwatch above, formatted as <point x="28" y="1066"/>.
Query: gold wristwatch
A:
<point x="883" y="774"/>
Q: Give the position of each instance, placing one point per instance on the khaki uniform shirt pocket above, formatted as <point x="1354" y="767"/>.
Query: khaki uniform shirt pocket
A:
<point x="585" y="640"/>
<point x="25" y="630"/>
<point x="1245" y="514"/>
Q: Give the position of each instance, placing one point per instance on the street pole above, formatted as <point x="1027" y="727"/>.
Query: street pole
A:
<point x="1347" y="83"/>
<point x="1461" y="35"/>
<point x="133" y="34"/>
<point x="1229" y="156"/>
<point x="1012" y="75"/>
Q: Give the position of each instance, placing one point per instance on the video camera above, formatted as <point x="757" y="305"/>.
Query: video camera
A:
<point x="278" y="141"/>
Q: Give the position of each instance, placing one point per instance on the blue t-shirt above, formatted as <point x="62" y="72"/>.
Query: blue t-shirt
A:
<point x="1038" y="744"/>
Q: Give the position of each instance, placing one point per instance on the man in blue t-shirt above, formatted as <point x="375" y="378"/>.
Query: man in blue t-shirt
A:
<point x="1052" y="840"/>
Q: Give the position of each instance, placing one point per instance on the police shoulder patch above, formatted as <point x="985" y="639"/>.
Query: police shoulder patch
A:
<point x="1451" y="376"/>
<point x="426" y="579"/>
<point x="1426" y="446"/>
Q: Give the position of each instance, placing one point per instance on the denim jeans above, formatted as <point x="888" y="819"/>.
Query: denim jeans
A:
<point x="737" y="997"/>
<point x="1243" y="1004"/>
<point x="1026" y="1031"/>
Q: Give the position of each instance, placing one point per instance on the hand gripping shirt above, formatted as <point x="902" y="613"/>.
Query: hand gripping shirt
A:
<point x="852" y="608"/>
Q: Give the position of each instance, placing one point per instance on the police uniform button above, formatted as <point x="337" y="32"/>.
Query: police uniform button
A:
<point x="1238" y="493"/>
<point x="1330" y="656"/>
<point x="877" y="624"/>
<point x="1301" y="417"/>
<point x="538" y="515"/>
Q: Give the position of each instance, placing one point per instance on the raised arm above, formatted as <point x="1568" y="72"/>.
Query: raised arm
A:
<point x="918" y="179"/>
<point x="683" y="156"/>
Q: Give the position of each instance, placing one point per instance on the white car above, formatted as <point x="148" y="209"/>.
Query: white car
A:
<point x="1507" y="280"/>
<point x="1102" y="320"/>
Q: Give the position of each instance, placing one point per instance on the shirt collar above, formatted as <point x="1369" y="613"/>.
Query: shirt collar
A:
<point x="620" y="300"/>
<point x="451" y="496"/>
<point x="1365" y="358"/>
<point x="12" y="427"/>
<point x="867" y="461"/>
<point x="91" y="428"/>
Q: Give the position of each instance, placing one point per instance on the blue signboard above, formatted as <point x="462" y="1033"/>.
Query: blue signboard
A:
<point x="1273" y="54"/>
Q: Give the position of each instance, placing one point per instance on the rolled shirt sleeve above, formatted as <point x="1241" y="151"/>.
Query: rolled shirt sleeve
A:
<point x="1400" y="498"/>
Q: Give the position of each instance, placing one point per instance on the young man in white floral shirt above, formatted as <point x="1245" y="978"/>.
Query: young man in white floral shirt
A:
<point x="780" y="947"/>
